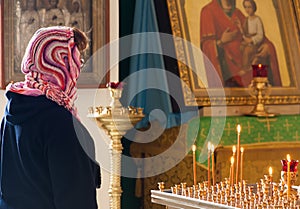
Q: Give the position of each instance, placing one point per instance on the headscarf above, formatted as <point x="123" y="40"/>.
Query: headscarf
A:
<point x="51" y="65"/>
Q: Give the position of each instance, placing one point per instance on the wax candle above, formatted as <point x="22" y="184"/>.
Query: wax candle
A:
<point x="288" y="157"/>
<point x="242" y="159"/>
<point x="208" y="163"/>
<point x="233" y="155"/>
<point x="233" y="150"/>
<point x="260" y="70"/>
<point x="238" y="128"/>
<point x="271" y="181"/>
<point x="231" y="170"/>
<point x="271" y="174"/>
<point x="194" y="147"/>
<point x="213" y="163"/>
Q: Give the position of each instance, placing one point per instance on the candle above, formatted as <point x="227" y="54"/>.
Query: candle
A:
<point x="288" y="157"/>
<point x="271" y="180"/>
<point x="194" y="164"/>
<point x="238" y="128"/>
<point x="231" y="170"/>
<point x="233" y="155"/>
<point x="213" y="164"/>
<point x="208" y="163"/>
<point x="242" y="153"/>
<point x="259" y="70"/>
<point x="271" y="174"/>
<point x="233" y="150"/>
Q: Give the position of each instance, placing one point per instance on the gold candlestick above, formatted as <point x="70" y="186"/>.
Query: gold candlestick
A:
<point x="194" y="147"/>
<point x="260" y="89"/>
<point x="238" y="128"/>
<point x="116" y="121"/>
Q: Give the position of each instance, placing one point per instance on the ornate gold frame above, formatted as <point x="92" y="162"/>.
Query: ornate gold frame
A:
<point x="288" y="11"/>
<point x="96" y="76"/>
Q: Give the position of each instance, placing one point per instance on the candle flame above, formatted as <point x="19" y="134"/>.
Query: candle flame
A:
<point x="242" y="149"/>
<point x="270" y="171"/>
<point x="194" y="147"/>
<point x="239" y="128"/>
<point x="288" y="157"/>
<point x="212" y="148"/>
<point x="232" y="160"/>
<point x="209" y="146"/>
<point x="233" y="148"/>
<point x="260" y="65"/>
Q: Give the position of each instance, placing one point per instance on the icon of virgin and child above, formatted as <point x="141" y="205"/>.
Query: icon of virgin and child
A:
<point x="233" y="42"/>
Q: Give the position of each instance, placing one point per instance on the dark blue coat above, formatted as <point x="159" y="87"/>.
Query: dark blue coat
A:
<point x="47" y="157"/>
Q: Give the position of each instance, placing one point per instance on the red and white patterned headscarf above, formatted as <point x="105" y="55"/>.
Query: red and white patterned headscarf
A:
<point x="51" y="65"/>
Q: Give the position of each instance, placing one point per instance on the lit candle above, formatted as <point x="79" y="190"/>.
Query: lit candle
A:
<point x="238" y="128"/>
<point x="271" y="174"/>
<point x="242" y="154"/>
<point x="288" y="157"/>
<point x="271" y="180"/>
<point x="208" y="163"/>
<point x="213" y="163"/>
<point x="260" y="70"/>
<point x="233" y="150"/>
<point x="231" y="170"/>
<point x="233" y="155"/>
<point x="194" y="164"/>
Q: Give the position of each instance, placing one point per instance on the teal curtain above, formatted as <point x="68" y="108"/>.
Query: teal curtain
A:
<point x="147" y="85"/>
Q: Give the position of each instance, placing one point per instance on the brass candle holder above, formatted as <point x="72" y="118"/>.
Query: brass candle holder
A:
<point x="260" y="89"/>
<point x="116" y="121"/>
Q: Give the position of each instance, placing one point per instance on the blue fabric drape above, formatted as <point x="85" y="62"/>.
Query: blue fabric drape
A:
<point x="147" y="85"/>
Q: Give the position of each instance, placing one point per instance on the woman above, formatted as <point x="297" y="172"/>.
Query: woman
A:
<point x="47" y="155"/>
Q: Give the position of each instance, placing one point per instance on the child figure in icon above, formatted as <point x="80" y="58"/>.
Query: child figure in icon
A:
<point x="253" y="35"/>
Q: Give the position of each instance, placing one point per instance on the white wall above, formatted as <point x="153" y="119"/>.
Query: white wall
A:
<point x="88" y="98"/>
<point x="2" y="102"/>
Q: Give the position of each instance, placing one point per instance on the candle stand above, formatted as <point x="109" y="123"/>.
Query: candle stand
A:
<point x="260" y="89"/>
<point x="264" y="194"/>
<point x="116" y="121"/>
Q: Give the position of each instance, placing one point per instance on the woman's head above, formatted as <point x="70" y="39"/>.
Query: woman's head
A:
<point x="56" y="47"/>
<point x="52" y="63"/>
